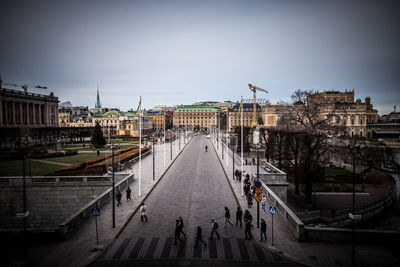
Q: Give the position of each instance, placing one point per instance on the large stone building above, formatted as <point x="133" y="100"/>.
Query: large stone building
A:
<point x="21" y="109"/>
<point x="158" y="119"/>
<point x="353" y="116"/>
<point x="122" y="124"/>
<point x="226" y="105"/>
<point x="197" y="117"/>
<point x="247" y="109"/>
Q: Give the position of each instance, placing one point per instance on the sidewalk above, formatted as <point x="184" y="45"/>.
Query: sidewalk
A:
<point x="81" y="248"/>
<point x="309" y="253"/>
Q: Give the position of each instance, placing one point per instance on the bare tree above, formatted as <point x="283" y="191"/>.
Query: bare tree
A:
<point x="312" y="116"/>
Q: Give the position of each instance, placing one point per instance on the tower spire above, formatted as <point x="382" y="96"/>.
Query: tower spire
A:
<point x="97" y="104"/>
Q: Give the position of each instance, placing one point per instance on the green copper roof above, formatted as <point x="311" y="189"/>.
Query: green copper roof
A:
<point x="198" y="108"/>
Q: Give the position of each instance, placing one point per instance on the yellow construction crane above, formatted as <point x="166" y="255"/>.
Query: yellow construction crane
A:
<point x="254" y="89"/>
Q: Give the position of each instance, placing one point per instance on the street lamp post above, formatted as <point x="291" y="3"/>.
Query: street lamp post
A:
<point x="353" y="151"/>
<point x="153" y="161"/>
<point x="113" y="188"/>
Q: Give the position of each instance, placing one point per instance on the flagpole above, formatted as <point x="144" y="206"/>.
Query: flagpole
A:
<point x="241" y="143"/>
<point x="226" y="139"/>
<point x="164" y="138"/>
<point x="140" y="146"/>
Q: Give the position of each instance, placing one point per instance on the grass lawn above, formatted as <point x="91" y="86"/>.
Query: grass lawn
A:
<point x="328" y="187"/>
<point x="74" y="159"/>
<point x="14" y="168"/>
<point x="337" y="171"/>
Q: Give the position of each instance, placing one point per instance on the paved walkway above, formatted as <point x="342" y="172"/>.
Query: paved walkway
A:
<point x="80" y="249"/>
<point x="196" y="188"/>
<point x="52" y="162"/>
<point x="309" y="253"/>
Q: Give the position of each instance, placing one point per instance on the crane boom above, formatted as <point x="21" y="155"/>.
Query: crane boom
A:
<point x="254" y="89"/>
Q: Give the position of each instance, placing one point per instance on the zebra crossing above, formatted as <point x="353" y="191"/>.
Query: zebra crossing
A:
<point x="156" y="247"/>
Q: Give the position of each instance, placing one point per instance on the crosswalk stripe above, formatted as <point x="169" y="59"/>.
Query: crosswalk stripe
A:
<point x="244" y="255"/>
<point x="212" y="249"/>
<point x="167" y="247"/>
<point x="121" y="249"/>
<point x="162" y="247"/>
<point x="227" y="249"/>
<point x="152" y="247"/>
<point x="259" y="252"/>
<point x="136" y="248"/>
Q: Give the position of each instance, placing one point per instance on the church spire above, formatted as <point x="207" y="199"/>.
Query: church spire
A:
<point x="97" y="104"/>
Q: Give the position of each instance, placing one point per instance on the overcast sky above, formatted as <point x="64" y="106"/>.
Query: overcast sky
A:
<point x="180" y="52"/>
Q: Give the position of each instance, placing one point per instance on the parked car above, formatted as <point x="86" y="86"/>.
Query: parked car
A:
<point x="208" y="136"/>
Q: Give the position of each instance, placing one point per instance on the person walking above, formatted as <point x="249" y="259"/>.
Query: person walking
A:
<point x="263" y="230"/>
<point x="214" y="228"/>
<point x="178" y="228"/>
<point x="239" y="214"/>
<point x="249" y="200"/>
<point x="143" y="212"/>
<point x="128" y="193"/>
<point x="206" y="148"/>
<point x="247" y="230"/>
<point x="199" y="237"/>
<point x="247" y="216"/>
<point x="181" y="226"/>
<point x="119" y="196"/>
<point x="227" y="217"/>
<point x="237" y="174"/>
<point x="263" y="205"/>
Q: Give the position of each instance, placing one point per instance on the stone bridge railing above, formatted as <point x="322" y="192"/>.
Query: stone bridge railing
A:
<point x="71" y="224"/>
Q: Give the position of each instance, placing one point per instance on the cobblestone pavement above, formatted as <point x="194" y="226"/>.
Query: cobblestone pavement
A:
<point x="195" y="188"/>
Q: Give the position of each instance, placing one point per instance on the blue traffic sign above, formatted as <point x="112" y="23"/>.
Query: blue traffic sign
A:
<point x="257" y="184"/>
<point x="272" y="210"/>
<point x="96" y="211"/>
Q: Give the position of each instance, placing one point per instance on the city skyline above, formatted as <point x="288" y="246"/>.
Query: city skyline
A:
<point x="180" y="52"/>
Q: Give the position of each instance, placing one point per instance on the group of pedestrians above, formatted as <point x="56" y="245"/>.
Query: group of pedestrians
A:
<point x="119" y="195"/>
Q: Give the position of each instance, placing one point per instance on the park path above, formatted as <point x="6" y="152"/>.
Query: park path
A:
<point x="52" y="162"/>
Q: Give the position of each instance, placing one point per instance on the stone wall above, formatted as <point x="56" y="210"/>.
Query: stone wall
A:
<point x="48" y="200"/>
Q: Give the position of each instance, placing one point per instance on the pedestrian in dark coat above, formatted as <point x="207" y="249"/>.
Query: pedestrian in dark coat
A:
<point x="263" y="230"/>
<point x="214" y="228"/>
<point x="181" y="226"/>
<point x="237" y="173"/>
<point x="247" y="230"/>
<point x="239" y="214"/>
<point x="128" y="193"/>
<point x="247" y="216"/>
<point x="227" y="216"/>
<point x="199" y="237"/>
<point x="249" y="200"/>
<point x="178" y="228"/>
<point x="119" y="196"/>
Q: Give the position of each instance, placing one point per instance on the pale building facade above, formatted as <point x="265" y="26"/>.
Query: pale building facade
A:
<point x="353" y="116"/>
<point x="28" y="110"/>
<point x="247" y="109"/>
<point x="197" y="116"/>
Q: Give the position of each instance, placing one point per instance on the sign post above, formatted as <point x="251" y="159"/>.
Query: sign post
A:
<point x="272" y="211"/>
<point x="96" y="213"/>
<point x="258" y="190"/>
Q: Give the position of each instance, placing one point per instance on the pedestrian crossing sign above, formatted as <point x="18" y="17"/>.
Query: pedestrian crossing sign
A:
<point x="272" y="210"/>
<point x="96" y="211"/>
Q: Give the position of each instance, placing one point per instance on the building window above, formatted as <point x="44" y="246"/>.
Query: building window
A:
<point x="361" y="121"/>
<point x="352" y="121"/>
